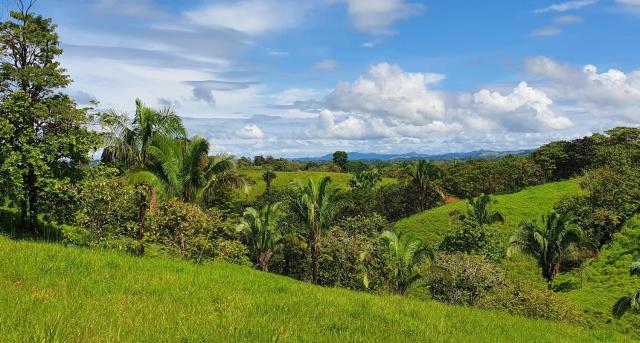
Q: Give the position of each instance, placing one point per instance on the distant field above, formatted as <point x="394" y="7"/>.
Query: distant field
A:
<point x="527" y="204"/>
<point x="50" y="293"/>
<point x="284" y="179"/>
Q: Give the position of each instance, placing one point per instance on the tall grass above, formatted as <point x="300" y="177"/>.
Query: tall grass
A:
<point x="52" y="293"/>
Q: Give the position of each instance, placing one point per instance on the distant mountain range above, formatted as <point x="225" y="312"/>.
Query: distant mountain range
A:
<point x="364" y="156"/>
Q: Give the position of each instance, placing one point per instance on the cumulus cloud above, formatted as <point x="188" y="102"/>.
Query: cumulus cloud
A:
<point x="250" y="131"/>
<point x="389" y="92"/>
<point x="524" y="109"/>
<point x="378" y="16"/>
<point x="251" y="17"/>
<point x="568" y="6"/>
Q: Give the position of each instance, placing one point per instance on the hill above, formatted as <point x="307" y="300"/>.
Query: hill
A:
<point x="340" y="180"/>
<point x="605" y="279"/>
<point x="530" y="203"/>
<point x="53" y="293"/>
<point x="370" y="156"/>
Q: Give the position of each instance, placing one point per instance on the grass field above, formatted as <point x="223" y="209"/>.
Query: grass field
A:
<point x="530" y="203"/>
<point x="284" y="179"/>
<point x="605" y="279"/>
<point x="52" y="293"/>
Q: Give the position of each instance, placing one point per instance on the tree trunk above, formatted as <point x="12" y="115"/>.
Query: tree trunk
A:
<point x="141" y="222"/>
<point x="315" y="256"/>
<point x="263" y="260"/>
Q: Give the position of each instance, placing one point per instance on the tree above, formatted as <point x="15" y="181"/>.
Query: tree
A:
<point x="44" y="136"/>
<point x="315" y="205"/>
<point x="268" y="176"/>
<point x="262" y="231"/>
<point x="340" y="158"/>
<point x="365" y="180"/>
<point x="548" y="244"/>
<point x="405" y="255"/>
<point x="480" y="211"/>
<point x="631" y="302"/>
<point x="421" y="175"/>
<point x="127" y="144"/>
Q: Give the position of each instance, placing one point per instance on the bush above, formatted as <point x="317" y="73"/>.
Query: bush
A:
<point x="231" y="251"/>
<point x="391" y="202"/>
<point x="522" y="300"/>
<point x="469" y="237"/>
<point x="464" y="279"/>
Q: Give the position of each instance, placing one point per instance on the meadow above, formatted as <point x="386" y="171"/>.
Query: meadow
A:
<point x="529" y="204"/>
<point x="54" y="293"/>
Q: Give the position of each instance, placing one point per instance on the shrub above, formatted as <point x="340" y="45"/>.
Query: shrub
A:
<point x="231" y="251"/>
<point x="465" y="279"/>
<point x="469" y="237"/>
<point x="522" y="300"/>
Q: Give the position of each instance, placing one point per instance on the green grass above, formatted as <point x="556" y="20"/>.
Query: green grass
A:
<point x="606" y="279"/>
<point x="53" y="293"/>
<point x="340" y="180"/>
<point x="530" y="203"/>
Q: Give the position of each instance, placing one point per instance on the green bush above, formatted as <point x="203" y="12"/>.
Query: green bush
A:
<point x="231" y="251"/>
<point x="522" y="300"/>
<point x="472" y="238"/>
<point x="464" y="279"/>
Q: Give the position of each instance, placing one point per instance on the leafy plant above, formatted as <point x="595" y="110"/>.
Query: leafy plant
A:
<point x="630" y="302"/>
<point x="405" y="255"/>
<point x="261" y="229"/>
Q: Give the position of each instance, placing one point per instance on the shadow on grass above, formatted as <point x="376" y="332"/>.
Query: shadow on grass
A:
<point x="12" y="227"/>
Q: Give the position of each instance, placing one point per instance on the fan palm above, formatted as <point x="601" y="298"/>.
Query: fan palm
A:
<point x="316" y="206"/>
<point x="631" y="302"/>
<point x="548" y="243"/>
<point x="406" y="254"/>
<point x="421" y="175"/>
<point x="261" y="229"/>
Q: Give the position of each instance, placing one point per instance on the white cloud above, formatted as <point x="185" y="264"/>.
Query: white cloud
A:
<point x="612" y="94"/>
<point x="568" y="6"/>
<point x="326" y="65"/>
<point x="629" y="2"/>
<point x="568" y="19"/>
<point x="250" y="131"/>
<point x="252" y="17"/>
<point x="389" y="92"/>
<point x="378" y="16"/>
<point x="546" y="31"/>
<point x="524" y="109"/>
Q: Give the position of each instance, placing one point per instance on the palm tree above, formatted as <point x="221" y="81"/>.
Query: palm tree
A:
<point x="185" y="169"/>
<point x="549" y="243"/>
<point x="316" y="206"/>
<point x="406" y="254"/>
<point x="365" y="179"/>
<point x="268" y="176"/>
<point x="261" y="229"/>
<point x="631" y="302"/>
<point x="480" y="211"/>
<point x="421" y="175"/>
<point x="127" y="142"/>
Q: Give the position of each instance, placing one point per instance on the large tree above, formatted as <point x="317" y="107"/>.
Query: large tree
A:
<point x="315" y="203"/>
<point x="43" y="134"/>
<point x="548" y="243"/>
<point x="340" y="158"/>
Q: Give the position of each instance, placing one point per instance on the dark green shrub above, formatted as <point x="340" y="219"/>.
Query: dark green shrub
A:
<point x="469" y="237"/>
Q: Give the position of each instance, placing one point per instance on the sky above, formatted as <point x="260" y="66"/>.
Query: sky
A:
<point x="294" y="78"/>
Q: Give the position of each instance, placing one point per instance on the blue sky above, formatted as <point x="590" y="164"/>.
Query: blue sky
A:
<point x="307" y="77"/>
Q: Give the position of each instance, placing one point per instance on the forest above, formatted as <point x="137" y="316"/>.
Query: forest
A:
<point x="553" y="235"/>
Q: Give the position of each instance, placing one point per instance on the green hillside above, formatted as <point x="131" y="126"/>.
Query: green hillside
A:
<point x="52" y="293"/>
<point x="606" y="279"/>
<point x="284" y="179"/>
<point x="527" y="204"/>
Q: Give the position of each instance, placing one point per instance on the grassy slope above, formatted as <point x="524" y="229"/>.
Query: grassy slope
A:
<point x="52" y="293"/>
<point x="528" y="204"/>
<point x="606" y="279"/>
<point x="284" y="179"/>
